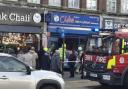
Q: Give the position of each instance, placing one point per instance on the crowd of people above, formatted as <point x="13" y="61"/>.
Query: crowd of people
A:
<point x="52" y="61"/>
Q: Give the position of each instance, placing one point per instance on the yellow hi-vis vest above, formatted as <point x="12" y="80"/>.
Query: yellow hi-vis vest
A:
<point x="61" y="53"/>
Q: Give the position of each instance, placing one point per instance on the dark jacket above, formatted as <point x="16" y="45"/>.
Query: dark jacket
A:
<point x="44" y="60"/>
<point x="55" y="63"/>
<point x="72" y="59"/>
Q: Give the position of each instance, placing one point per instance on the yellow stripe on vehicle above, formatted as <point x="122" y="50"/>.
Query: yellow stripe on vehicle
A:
<point x="111" y="63"/>
<point x="122" y="46"/>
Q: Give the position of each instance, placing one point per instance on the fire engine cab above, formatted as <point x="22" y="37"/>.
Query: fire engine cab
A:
<point x="106" y="58"/>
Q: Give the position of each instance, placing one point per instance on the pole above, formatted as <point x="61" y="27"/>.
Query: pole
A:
<point x="63" y="55"/>
<point x="41" y="41"/>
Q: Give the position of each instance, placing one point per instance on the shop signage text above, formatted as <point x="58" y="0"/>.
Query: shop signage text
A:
<point x="15" y="17"/>
<point x="114" y="23"/>
<point x="20" y="16"/>
<point x="75" y="20"/>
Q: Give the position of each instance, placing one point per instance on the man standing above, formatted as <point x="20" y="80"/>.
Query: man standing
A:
<point x="72" y="62"/>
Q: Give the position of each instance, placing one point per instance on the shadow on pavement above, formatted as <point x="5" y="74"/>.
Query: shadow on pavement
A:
<point x="103" y="87"/>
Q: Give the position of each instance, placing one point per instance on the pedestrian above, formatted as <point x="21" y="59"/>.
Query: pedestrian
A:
<point x="72" y="62"/>
<point x="55" y="61"/>
<point x="20" y="55"/>
<point x="44" y="59"/>
<point x="82" y="57"/>
<point x="27" y="57"/>
<point x="34" y="57"/>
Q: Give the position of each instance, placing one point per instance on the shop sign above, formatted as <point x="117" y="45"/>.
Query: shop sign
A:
<point x="75" y="20"/>
<point x="20" y="16"/>
<point x="114" y="23"/>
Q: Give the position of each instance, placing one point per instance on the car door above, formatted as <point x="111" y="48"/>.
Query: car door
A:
<point x="13" y="74"/>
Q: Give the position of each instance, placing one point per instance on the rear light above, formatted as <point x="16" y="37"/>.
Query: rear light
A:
<point x="111" y="63"/>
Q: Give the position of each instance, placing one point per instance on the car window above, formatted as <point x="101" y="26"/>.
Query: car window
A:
<point x="10" y="64"/>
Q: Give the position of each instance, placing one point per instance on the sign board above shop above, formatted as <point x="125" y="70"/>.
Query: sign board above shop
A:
<point x="20" y="16"/>
<point x="73" y="20"/>
<point x="114" y="23"/>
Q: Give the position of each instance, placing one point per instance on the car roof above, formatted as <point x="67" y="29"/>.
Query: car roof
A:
<point x="5" y="54"/>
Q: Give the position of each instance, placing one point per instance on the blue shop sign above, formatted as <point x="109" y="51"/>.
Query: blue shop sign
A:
<point x="74" y="20"/>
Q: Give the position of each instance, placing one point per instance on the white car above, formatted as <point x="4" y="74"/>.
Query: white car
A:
<point x="17" y="75"/>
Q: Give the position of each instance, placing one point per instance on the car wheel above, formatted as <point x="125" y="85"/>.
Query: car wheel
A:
<point x="49" y="87"/>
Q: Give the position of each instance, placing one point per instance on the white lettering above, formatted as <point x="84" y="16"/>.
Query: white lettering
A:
<point x="88" y="57"/>
<point x="19" y="18"/>
<point x="101" y="59"/>
<point x="12" y="17"/>
<point x="3" y="16"/>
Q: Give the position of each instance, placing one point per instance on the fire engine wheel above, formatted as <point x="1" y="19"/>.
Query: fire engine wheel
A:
<point x="126" y="81"/>
<point x="103" y="84"/>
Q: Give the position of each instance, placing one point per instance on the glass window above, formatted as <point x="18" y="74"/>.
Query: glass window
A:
<point x="34" y="1"/>
<point x="124" y="6"/>
<point x="91" y="4"/>
<point x="74" y="4"/>
<point x="111" y="6"/>
<point x="9" y="64"/>
<point x="55" y="3"/>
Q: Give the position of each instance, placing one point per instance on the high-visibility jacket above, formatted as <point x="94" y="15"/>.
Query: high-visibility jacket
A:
<point x="61" y="53"/>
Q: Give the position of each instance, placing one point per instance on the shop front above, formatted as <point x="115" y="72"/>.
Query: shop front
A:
<point x="114" y="22"/>
<point x="19" y="27"/>
<point x="76" y="28"/>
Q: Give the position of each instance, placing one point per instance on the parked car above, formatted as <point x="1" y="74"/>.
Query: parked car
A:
<point x="16" y="75"/>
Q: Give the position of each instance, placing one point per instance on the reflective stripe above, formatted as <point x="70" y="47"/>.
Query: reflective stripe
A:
<point x="111" y="63"/>
<point x="122" y="46"/>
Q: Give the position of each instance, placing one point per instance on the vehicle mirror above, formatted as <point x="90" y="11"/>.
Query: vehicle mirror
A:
<point x="28" y="70"/>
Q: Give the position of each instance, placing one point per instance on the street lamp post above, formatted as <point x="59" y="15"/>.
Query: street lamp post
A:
<point x="63" y="47"/>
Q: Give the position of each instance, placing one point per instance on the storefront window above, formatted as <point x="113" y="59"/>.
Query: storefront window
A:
<point x="91" y="4"/>
<point x="74" y="4"/>
<point x="124" y="6"/>
<point x="13" y="40"/>
<point x="111" y="6"/>
<point x="34" y="1"/>
<point x="55" y="3"/>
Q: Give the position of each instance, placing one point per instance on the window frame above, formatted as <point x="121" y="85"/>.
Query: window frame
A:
<point x="71" y="4"/>
<point x="32" y="1"/>
<point x="124" y="6"/>
<point x="91" y="3"/>
<point x="109" y="6"/>
<point x="54" y="3"/>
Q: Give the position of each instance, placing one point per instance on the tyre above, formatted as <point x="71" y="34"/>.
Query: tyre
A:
<point x="48" y="87"/>
<point x="125" y="85"/>
<point x="103" y="84"/>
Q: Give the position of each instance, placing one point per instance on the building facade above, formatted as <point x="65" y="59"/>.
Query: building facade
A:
<point x="20" y="25"/>
<point x="112" y="14"/>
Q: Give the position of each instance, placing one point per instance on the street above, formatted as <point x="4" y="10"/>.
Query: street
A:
<point x="77" y="83"/>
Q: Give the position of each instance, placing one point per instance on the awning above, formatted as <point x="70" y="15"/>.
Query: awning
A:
<point x="20" y="29"/>
<point x="70" y="30"/>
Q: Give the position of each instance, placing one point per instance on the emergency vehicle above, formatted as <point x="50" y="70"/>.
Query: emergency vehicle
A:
<point x="106" y="57"/>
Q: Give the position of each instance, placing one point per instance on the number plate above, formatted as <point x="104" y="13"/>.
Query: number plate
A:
<point x="93" y="75"/>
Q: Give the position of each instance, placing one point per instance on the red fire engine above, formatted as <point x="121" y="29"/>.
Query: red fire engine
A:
<point x="106" y="58"/>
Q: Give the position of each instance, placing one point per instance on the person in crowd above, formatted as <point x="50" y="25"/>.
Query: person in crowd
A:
<point x="72" y="62"/>
<point x="55" y="61"/>
<point x="62" y="54"/>
<point x="20" y="55"/>
<point x="44" y="59"/>
<point x="27" y="57"/>
<point x="82" y="57"/>
<point x="34" y="57"/>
